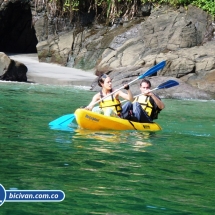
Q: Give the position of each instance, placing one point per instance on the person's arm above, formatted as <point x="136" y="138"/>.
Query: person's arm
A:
<point x="127" y="96"/>
<point x="158" y="102"/>
<point x="92" y="103"/>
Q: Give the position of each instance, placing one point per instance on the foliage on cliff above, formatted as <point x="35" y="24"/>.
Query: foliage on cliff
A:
<point x="110" y="10"/>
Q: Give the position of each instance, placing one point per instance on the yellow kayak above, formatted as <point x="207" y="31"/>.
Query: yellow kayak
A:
<point x="94" y="121"/>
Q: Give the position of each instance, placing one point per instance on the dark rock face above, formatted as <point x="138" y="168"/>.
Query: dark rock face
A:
<point x="16" y="71"/>
<point x="17" y="34"/>
<point x="146" y="9"/>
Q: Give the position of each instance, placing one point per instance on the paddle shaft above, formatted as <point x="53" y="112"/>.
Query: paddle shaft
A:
<point x="65" y="120"/>
<point x="147" y="73"/>
<point x="114" y="92"/>
<point x="167" y="84"/>
<point x="141" y="94"/>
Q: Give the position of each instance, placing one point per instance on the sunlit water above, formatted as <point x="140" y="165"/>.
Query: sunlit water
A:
<point x="110" y="172"/>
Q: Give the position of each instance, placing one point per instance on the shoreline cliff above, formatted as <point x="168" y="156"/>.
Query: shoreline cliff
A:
<point x="185" y="39"/>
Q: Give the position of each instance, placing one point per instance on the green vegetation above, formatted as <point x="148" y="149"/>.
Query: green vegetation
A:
<point x="206" y="5"/>
<point x="109" y="10"/>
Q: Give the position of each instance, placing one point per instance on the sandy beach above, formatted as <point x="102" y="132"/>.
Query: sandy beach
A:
<point x="45" y="73"/>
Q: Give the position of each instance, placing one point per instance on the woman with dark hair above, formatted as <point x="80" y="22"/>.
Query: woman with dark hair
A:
<point x="110" y="105"/>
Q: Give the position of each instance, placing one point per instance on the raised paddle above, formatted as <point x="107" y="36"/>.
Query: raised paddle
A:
<point x="149" y="72"/>
<point x="165" y="85"/>
<point x="67" y="119"/>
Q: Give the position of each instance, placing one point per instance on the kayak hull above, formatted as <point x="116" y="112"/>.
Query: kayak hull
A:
<point x="94" y="121"/>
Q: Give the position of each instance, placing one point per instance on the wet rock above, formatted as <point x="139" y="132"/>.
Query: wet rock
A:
<point x="11" y="70"/>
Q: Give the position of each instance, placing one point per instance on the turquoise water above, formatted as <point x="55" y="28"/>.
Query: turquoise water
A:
<point x="116" y="172"/>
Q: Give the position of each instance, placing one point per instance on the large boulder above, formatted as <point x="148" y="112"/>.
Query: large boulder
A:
<point x="4" y="63"/>
<point x="165" y="31"/>
<point x="11" y="70"/>
<point x="56" y="49"/>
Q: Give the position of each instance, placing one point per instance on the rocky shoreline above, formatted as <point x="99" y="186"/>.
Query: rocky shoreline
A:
<point x="53" y="74"/>
<point x="184" y="38"/>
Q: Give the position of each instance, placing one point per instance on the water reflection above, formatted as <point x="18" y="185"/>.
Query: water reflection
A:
<point x="104" y="141"/>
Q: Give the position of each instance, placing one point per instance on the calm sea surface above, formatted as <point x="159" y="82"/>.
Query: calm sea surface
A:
<point x="111" y="172"/>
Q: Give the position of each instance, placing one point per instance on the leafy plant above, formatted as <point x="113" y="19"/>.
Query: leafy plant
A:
<point x="113" y="9"/>
<point x="206" y="5"/>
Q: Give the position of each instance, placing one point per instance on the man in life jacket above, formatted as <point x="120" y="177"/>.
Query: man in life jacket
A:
<point x="110" y="105"/>
<point x="147" y="106"/>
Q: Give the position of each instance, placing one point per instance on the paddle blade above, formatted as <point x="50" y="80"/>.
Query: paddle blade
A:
<point x="168" y="84"/>
<point x="63" y="120"/>
<point x="153" y="70"/>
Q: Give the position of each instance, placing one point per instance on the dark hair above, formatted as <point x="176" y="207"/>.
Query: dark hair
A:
<point x="101" y="79"/>
<point x="145" y="81"/>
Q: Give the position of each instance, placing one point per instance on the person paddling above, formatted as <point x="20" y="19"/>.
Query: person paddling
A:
<point x="110" y="105"/>
<point x="147" y="106"/>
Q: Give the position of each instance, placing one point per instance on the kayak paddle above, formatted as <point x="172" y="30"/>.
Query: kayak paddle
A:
<point x="149" y="72"/>
<point x="165" y="85"/>
<point x="63" y="120"/>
